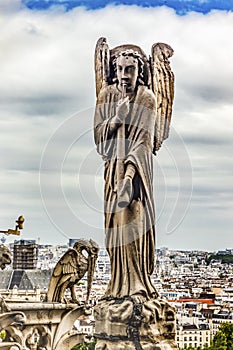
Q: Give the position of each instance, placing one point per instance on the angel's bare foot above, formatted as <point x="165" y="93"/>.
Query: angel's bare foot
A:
<point x="138" y="299"/>
<point x="126" y="193"/>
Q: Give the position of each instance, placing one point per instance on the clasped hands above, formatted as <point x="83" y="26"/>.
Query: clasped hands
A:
<point x="122" y="110"/>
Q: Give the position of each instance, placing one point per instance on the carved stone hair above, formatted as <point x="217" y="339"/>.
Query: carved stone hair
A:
<point x="134" y="54"/>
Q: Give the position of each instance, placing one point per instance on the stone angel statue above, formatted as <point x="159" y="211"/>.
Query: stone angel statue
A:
<point x="132" y="119"/>
<point x="70" y="269"/>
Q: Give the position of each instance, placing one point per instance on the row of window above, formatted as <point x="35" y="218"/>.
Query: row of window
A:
<point x="191" y="339"/>
<point x="192" y="332"/>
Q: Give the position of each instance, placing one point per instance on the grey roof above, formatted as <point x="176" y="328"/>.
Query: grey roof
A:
<point x="25" y="279"/>
<point x="5" y="277"/>
<point x="35" y="278"/>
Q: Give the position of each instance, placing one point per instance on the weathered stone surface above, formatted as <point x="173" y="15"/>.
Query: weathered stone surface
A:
<point x="132" y="119"/>
<point x="70" y="269"/>
<point x="121" y="322"/>
<point x="129" y="345"/>
<point x="5" y="256"/>
<point x="13" y="317"/>
<point x="49" y="325"/>
<point x="10" y="346"/>
<point x="43" y="325"/>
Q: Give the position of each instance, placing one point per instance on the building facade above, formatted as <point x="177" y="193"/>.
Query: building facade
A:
<point x="25" y="255"/>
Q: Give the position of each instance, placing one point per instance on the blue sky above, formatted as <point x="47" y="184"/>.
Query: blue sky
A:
<point x="180" y="6"/>
<point x="50" y="171"/>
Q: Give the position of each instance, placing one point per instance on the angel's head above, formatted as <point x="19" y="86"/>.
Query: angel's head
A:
<point x="128" y="67"/>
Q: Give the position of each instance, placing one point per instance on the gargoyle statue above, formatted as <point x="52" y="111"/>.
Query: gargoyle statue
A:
<point x="13" y="318"/>
<point x="71" y="268"/>
<point x="5" y="256"/>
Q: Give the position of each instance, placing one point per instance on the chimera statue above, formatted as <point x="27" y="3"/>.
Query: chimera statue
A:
<point x="70" y="269"/>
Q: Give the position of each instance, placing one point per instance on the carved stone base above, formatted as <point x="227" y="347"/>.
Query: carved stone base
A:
<point x="124" y="324"/>
<point x="37" y="326"/>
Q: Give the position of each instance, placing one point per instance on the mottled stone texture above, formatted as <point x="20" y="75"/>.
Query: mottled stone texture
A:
<point x="50" y="325"/>
<point x="132" y="119"/>
<point x="40" y="326"/>
<point x="5" y="256"/>
<point x="123" y="324"/>
<point x="71" y="267"/>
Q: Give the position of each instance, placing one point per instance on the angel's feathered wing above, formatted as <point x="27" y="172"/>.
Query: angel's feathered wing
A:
<point x="101" y="64"/>
<point x="65" y="268"/>
<point x="162" y="81"/>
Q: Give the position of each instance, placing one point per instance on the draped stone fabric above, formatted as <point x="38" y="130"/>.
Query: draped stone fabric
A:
<point x="130" y="235"/>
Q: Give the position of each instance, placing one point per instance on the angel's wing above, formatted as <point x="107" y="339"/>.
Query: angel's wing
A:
<point x="162" y="79"/>
<point x="65" y="268"/>
<point x="67" y="264"/>
<point x="101" y="64"/>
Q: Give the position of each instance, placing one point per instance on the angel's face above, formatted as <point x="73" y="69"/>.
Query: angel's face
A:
<point x="127" y="72"/>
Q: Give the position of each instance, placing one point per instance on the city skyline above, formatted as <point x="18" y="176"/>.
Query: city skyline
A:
<point x="48" y="100"/>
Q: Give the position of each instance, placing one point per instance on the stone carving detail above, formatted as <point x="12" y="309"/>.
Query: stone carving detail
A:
<point x="151" y="323"/>
<point x="5" y="256"/>
<point x="11" y="318"/>
<point x="38" y="336"/>
<point x="70" y="269"/>
<point x="29" y="331"/>
<point x="132" y="119"/>
<point x="11" y="321"/>
<point x="48" y="325"/>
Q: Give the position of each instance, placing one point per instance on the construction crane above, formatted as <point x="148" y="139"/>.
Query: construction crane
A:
<point x="18" y="227"/>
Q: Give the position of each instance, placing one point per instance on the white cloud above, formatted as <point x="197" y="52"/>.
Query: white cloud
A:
<point x="48" y="75"/>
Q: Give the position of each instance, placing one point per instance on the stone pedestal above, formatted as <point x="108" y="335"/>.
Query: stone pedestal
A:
<point x="124" y="324"/>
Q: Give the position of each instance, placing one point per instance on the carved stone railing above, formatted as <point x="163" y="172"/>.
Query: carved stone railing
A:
<point x="43" y="326"/>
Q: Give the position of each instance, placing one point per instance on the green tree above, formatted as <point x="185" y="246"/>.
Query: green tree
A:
<point x="3" y="335"/>
<point x="85" y="346"/>
<point x="206" y="347"/>
<point x="220" y="341"/>
<point x="223" y="339"/>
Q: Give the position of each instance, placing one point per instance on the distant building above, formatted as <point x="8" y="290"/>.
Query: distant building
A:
<point x="25" y="255"/>
<point x="225" y="252"/>
<point x="195" y="335"/>
<point x="86" y="326"/>
<point x="219" y="318"/>
<point x="103" y="268"/>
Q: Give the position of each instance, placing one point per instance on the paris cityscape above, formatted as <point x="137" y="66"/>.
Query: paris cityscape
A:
<point x="198" y="284"/>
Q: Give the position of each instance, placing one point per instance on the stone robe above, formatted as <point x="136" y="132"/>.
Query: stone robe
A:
<point x="130" y="236"/>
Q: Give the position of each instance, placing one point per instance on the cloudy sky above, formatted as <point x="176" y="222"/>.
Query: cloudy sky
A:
<point x="50" y="171"/>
